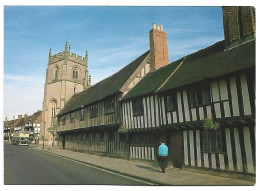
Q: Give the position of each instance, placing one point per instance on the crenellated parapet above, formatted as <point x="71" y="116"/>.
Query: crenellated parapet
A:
<point x="66" y="55"/>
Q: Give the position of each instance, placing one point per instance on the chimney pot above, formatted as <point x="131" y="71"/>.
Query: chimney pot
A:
<point x="161" y="26"/>
<point x="154" y="26"/>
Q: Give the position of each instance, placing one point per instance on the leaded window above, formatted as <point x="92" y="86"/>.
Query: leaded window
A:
<point x="171" y="102"/>
<point x="199" y="96"/>
<point x="205" y="95"/>
<point x="109" y="105"/>
<point x="212" y="141"/>
<point x="94" y="110"/>
<point x="138" y="108"/>
<point x="82" y="114"/>
<point x="193" y="97"/>
<point x="63" y="120"/>
<point x="72" y="117"/>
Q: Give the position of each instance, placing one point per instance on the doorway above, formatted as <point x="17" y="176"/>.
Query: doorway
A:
<point x="176" y="149"/>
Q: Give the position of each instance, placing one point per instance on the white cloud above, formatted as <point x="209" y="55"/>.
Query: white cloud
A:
<point x="179" y="48"/>
<point x="22" y="94"/>
<point x="18" y="78"/>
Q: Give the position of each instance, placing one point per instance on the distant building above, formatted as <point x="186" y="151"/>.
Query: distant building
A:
<point x="9" y="126"/>
<point x="66" y="75"/>
<point x="33" y="124"/>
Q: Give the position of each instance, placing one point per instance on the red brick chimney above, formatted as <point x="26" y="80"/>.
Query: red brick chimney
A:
<point x="158" y="47"/>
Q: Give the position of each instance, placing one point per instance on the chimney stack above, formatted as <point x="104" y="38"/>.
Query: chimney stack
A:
<point x="158" y="47"/>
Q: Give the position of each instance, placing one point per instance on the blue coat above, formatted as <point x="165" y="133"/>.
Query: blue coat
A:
<point x="163" y="150"/>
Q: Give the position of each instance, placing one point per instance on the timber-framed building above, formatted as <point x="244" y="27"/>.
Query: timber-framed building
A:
<point x="202" y="105"/>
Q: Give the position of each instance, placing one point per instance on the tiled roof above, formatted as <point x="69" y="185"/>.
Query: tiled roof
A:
<point x="207" y="63"/>
<point x="212" y="62"/>
<point x="104" y="88"/>
<point x="151" y="82"/>
<point x="20" y="123"/>
<point x="36" y="116"/>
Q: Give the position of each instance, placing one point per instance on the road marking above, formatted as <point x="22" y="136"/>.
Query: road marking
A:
<point x="108" y="171"/>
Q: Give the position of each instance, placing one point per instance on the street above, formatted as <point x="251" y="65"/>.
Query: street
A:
<point x="26" y="165"/>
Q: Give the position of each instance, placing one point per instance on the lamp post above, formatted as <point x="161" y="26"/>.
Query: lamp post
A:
<point x="10" y="130"/>
<point x="43" y="136"/>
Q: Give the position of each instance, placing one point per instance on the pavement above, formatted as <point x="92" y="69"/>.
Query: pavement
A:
<point x="149" y="171"/>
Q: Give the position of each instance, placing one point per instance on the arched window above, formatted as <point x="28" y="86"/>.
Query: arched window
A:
<point x="75" y="74"/>
<point x="53" y="107"/>
<point x="56" y="74"/>
<point x="56" y="71"/>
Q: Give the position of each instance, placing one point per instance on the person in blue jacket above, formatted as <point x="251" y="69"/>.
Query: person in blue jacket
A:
<point x="163" y="154"/>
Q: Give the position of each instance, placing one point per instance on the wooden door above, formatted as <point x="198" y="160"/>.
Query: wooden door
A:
<point x="176" y="149"/>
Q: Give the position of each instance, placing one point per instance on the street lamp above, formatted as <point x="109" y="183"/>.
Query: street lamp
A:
<point x="43" y="136"/>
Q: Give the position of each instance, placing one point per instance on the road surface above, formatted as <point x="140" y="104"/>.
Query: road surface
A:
<point x="26" y="165"/>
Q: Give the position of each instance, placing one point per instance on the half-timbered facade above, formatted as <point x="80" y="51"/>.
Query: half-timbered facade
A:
<point x="202" y="105"/>
<point x="91" y="119"/>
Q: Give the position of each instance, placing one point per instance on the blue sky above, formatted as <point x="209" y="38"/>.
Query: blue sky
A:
<point x="113" y="36"/>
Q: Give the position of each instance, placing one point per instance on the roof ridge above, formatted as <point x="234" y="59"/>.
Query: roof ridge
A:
<point x="197" y="53"/>
<point x="114" y="73"/>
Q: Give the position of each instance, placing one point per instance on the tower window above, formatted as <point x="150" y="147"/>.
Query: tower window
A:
<point x="56" y="70"/>
<point x="75" y="74"/>
<point x="56" y="74"/>
<point x="53" y="112"/>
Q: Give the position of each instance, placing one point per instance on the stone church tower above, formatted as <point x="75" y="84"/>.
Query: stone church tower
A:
<point x="67" y="74"/>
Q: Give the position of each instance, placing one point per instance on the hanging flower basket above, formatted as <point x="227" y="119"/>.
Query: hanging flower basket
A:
<point x="209" y="124"/>
<point x="122" y="129"/>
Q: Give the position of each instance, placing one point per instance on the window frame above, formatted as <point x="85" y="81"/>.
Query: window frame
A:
<point x="138" y="107"/>
<point x="63" y="120"/>
<point x="171" y="103"/>
<point x="75" y="74"/>
<point x="72" y="117"/>
<point x="94" y="110"/>
<point x="82" y="114"/>
<point x="199" y="96"/>
<point x="212" y="141"/>
<point x="110" y="106"/>
<point x="58" y="121"/>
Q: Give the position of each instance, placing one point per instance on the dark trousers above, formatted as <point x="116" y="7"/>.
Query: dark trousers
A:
<point x="163" y="162"/>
